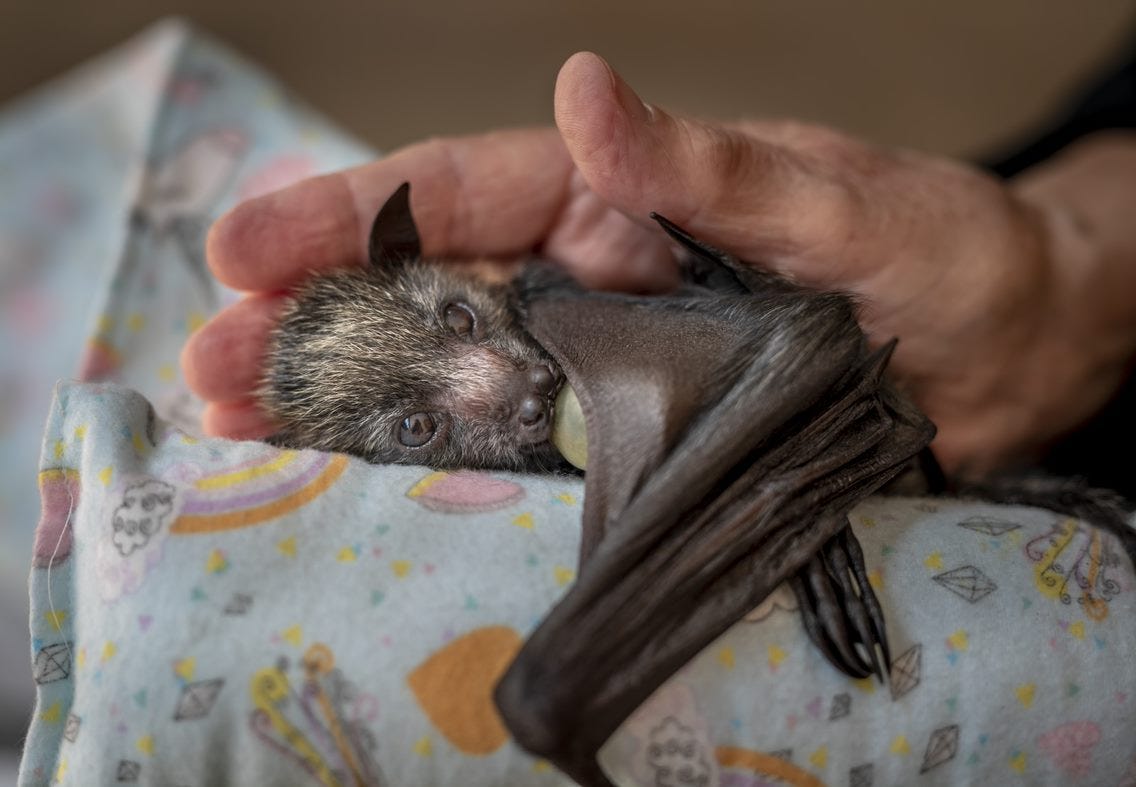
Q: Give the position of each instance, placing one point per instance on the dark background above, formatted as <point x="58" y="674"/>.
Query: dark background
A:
<point x="958" y="77"/>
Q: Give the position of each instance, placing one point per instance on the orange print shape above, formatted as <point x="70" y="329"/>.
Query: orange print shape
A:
<point x="454" y="687"/>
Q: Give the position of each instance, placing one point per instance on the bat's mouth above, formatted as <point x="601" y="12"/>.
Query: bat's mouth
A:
<point x="558" y="380"/>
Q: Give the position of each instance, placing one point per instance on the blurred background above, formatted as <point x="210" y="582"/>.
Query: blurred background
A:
<point x="964" y="78"/>
<point x="959" y="77"/>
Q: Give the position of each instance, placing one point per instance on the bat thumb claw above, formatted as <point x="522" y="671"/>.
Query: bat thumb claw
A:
<point x="879" y="360"/>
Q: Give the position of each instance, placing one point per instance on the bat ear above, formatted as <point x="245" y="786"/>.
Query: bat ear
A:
<point x="394" y="236"/>
<point x="692" y="244"/>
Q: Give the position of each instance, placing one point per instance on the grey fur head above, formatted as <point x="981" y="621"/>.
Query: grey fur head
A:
<point x="363" y="358"/>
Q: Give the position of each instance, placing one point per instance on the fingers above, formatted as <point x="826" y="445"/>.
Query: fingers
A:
<point x="764" y="192"/>
<point x="237" y="420"/>
<point x="604" y="249"/>
<point x="267" y="243"/>
<point x="223" y="360"/>
<point x="496" y="194"/>
<point x="760" y="192"/>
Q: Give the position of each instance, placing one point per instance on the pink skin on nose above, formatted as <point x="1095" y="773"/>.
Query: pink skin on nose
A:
<point x="492" y="387"/>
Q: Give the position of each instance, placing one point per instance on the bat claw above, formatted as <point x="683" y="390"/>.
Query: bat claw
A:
<point x="839" y="609"/>
<point x="867" y="595"/>
<point x="878" y="361"/>
<point x="825" y="621"/>
<point x="815" y="630"/>
<point x="837" y="561"/>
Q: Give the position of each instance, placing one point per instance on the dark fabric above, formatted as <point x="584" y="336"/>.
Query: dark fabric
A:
<point x="1107" y="101"/>
<point x="1101" y="451"/>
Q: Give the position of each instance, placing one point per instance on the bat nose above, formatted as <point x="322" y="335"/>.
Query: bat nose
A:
<point x="531" y="410"/>
<point x="537" y="385"/>
<point x="542" y="378"/>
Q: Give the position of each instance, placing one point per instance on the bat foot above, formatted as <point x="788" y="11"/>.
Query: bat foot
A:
<point x="839" y="610"/>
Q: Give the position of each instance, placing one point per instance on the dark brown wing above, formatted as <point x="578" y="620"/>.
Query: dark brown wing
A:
<point x="728" y="437"/>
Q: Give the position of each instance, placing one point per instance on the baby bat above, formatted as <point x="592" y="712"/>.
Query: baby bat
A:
<point x="427" y="363"/>
<point x="414" y="363"/>
<point x="418" y="362"/>
<point x="731" y="425"/>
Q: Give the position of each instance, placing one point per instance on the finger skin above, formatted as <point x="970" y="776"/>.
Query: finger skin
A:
<point x="224" y="360"/>
<point x="268" y="243"/>
<point x="243" y="420"/>
<point x="751" y="188"/>
<point x="496" y="194"/>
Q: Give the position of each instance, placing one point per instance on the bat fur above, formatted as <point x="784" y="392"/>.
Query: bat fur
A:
<point x="358" y="351"/>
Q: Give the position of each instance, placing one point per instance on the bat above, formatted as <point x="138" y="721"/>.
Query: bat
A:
<point x="731" y="425"/>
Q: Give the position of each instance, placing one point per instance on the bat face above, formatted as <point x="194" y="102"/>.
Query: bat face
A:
<point x="412" y="362"/>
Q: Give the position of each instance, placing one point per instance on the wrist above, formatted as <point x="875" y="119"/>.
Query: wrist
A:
<point x="1082" y="201"/>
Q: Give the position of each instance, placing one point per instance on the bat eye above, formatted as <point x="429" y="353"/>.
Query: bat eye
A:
<point x="416" y="430"/>
<point x="460" y="319"/>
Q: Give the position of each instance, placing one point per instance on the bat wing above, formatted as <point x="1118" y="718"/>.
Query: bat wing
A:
<point x="730" y="429"/>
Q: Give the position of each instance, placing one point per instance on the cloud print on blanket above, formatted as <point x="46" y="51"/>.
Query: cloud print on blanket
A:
<point x="252" y="492"/>
<point x="134" y="535"/>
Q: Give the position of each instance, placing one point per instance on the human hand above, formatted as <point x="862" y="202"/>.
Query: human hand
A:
<point x="972" y="276"/>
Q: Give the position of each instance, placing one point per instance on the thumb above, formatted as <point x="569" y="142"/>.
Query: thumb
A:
<point x="752" y="191"/>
